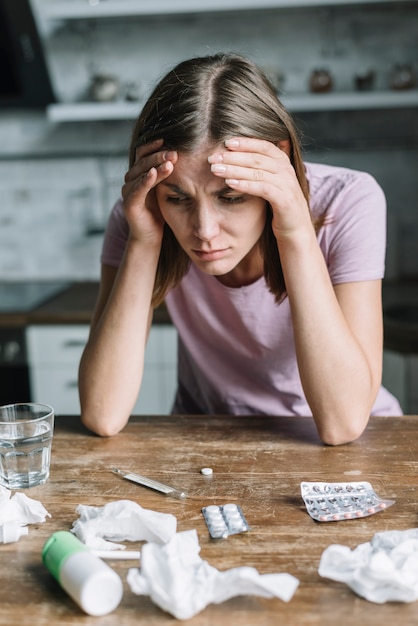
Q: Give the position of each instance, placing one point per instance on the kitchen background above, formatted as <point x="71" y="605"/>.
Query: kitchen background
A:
<point x="61" y="168"/>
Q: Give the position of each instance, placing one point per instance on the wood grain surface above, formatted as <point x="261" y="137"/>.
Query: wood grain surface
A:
<point x="257" y="462"/>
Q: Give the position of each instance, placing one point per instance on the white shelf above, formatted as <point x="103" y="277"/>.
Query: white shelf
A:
<point x="83" y="9"/>
<point x="91" y="111"/>
<point x="336" y="101"/>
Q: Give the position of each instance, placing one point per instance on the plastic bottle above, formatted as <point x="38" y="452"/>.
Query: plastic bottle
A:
<point x="12" y="531"/>
<point x="90" y="582"/>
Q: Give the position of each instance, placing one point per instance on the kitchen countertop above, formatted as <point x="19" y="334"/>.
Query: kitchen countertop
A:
<point x="73" y="305"/>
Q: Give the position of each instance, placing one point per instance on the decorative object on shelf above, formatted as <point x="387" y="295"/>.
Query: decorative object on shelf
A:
<point x="104" y="88"/>
<point x="320" y="81"/>
<point x="131" y="91"/>
<point x="364" y="79"/>
<point x="402" y="77"/>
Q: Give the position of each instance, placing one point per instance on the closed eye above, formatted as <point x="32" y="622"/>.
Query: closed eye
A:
<point x="177" y="199"/>
<point x="232" y="199"/>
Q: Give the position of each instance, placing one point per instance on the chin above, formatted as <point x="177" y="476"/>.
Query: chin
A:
<point x="215" y="268"/>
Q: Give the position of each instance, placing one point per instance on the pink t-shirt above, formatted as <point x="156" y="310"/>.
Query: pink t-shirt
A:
<point x="236" y="352"/>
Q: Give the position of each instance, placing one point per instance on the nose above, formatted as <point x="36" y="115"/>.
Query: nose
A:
<point x="206" y="223"/>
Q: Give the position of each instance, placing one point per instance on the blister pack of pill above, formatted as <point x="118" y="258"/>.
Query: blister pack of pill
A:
<point x="332" y="502"/>
<point x="224" y="520"/>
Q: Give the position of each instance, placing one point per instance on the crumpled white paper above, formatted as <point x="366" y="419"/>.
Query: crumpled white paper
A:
<point x="100" y="527"/>
<point x="382" y="570"/>
<point x="19" y="509"/>
<point x="181" y="583"/>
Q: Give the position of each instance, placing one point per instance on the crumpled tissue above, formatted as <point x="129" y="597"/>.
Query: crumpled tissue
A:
<point x="382" y="570"/>
<point x="181" y="583"/>
<point x="16" y="511"/>
<point x="100" y="527"/>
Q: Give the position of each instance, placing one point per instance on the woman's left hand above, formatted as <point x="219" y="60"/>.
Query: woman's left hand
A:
<point x="260" y="168"/>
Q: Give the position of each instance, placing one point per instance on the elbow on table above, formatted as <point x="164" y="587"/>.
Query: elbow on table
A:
<point x="334" y="434"/>
<point x="103" y="427"/>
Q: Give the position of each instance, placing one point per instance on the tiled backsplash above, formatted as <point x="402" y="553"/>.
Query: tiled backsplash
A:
<point x="58" y="182"/>
<point x="52" y="216"/>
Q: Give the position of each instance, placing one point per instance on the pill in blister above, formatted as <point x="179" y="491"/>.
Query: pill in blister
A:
<point x="225" y="520"/>
<point x="332" y="502"/>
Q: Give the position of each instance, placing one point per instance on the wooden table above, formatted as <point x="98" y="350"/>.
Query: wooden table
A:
<point x="258" y="463"/>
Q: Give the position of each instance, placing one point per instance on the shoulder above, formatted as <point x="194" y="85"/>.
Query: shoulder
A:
<point x="332" y="186"/>
<point x="353" y="235"/>
<point x="117" y="212"/>
<point x="117" y="224"/>
<point x="319" y="174"/>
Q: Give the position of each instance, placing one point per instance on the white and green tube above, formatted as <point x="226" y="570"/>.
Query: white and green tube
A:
<point x="90" y="582"/>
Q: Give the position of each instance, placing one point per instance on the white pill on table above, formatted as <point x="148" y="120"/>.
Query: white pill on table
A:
<point x="206" y="471"/>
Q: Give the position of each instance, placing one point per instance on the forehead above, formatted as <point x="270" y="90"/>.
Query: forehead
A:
<point x="192" y="170"/>
<point x="200" y="152"/>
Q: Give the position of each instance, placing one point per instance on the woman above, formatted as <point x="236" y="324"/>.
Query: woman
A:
<point x="270" y="267"/>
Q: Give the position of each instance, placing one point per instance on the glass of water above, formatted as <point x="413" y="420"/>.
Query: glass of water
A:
<point x="26" y="431"/>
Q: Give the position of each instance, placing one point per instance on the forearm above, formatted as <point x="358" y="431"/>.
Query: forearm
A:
<point x="112" y="364"/>
<point x="340" y="379"/>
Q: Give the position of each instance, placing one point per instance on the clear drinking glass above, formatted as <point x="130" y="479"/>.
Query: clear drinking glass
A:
<point x="26" y="431"/>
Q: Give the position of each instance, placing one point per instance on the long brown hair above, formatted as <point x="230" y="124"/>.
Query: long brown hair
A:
<point x="213" y="98"/>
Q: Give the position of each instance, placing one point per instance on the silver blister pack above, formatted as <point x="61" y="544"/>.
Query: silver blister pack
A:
<point x="224" y="520"/>
<point x="332" y="502"/>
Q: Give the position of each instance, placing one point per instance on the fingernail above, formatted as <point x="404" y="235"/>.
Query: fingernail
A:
<point x="164" y="167"/>
<point x="232" y="143"/>
<point x="215" y="158"/>
<point x="218" y="167"/>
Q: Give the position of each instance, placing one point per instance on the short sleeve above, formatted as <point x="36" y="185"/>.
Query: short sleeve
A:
<point x="116" y="236"/>
<point x="353" y="238"/>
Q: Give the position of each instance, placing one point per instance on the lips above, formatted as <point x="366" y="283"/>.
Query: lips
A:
<point x="210" y="255"/>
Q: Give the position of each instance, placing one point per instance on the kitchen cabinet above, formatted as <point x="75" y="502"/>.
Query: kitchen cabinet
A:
<point x="159" y="382"/>
<point x="400" y="357"/>
<point x="400" y="373"/>
<point x="54" y="353"/>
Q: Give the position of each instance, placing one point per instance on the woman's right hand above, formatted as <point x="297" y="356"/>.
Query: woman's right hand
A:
<point x="152" y="165"/>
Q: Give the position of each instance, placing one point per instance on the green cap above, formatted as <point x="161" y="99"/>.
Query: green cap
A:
<point x="58" y="548"/>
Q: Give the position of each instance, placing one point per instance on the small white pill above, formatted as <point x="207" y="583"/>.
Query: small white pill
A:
<point x="212" y="509"/>
<point x="231" y="509"/>
<point x="206" y="471"/>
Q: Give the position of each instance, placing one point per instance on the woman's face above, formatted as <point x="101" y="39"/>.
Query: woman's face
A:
<point x="217" y="227"/>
